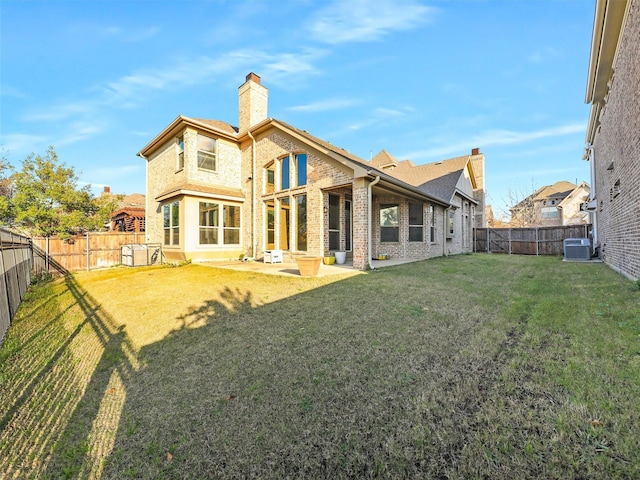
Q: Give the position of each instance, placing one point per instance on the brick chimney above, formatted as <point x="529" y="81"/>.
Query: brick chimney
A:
<point x="107" y="189"/>
<point x="252" y="102"/>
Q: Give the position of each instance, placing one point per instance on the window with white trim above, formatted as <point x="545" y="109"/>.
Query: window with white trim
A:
<point x="171" y="217"/>
<point x="180" y="145"/>
<point x="219" y="224"/>
<point x="207" y="154"/>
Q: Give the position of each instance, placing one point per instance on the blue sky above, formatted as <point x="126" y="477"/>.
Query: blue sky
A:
<point x="424" y="79"/>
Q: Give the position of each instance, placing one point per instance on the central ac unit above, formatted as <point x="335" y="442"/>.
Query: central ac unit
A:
<point x="577" y="249"/>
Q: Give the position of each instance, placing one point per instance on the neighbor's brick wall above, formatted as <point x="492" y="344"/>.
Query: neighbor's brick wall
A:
<point x="618" y="141"/>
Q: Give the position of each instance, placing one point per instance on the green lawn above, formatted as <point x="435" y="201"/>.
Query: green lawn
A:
<point x="474" y="366"/>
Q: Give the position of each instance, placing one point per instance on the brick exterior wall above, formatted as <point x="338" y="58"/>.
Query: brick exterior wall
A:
<point x="163" y="174"/>
<point x="617" y="145"/>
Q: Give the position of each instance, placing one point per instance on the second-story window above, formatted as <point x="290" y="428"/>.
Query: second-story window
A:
<point x="285" y="170"/>
<point x="301" y="169"/>
<point x="271" y="178"/>
<point x="206" y="153"/>
<point x="180" y="144"/>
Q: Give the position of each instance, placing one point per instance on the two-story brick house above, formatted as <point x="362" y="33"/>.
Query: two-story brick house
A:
<point x="215" y="191"/>
<point x="552" y="205"/>
<point x="613" y="133"/>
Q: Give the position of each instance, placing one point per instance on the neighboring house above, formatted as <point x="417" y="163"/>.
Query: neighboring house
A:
<point x="130" y="215"/>
<point x="552" y="205"/>
<point x="215" y="191"/>
<point x="613" y="133"/>
<point x="128" y="219"/>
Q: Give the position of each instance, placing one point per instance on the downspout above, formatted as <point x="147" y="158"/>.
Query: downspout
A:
<point x="444" y="231"/>
<point x="593" y="194"/>
<point x="369" y="219"/>
<point x="146" y="195"/>
<point x="253" y="195"/>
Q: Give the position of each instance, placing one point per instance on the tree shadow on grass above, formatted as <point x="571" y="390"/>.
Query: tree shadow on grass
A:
<point x="52" y="425"/>
<point x="66" y="416"/>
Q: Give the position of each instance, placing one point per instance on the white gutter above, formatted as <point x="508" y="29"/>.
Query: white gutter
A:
<point x="592" y="193"/>
<point x="253" y="195"/>
<point x="444" y="231"/>
<point x="369" y="219"/>
<point x="146" y="195"/>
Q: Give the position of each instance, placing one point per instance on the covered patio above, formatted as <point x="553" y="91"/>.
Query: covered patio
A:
<point x="288" y="268"/>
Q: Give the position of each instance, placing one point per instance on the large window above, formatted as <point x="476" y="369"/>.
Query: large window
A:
<point x="271" y="225"/>
<point x="209" y="223"/>
<point x="231" y="224"/>
<point x="334" y="222"/>
<point x="416" y="222"/>
<point x="292" y="172"/>
<point x="206" y="153"/>
<point x="301" y="169"/>
<point x="285" y="171"/>
<point x="213" y="217"/>
<point x="180" y="144"/>
<point x="301" y="224"/>
<point x="285" y="223"/>
<point x="389" y="223"/>
<point x="171" y="213"/>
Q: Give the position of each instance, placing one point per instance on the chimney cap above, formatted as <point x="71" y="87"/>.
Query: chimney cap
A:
<point x="475" y="151"/>
<point x="253" y="77"/>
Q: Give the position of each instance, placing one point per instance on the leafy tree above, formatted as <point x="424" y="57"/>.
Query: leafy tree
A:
<point x="47" y="200"/>
<point x="6" y="190"/>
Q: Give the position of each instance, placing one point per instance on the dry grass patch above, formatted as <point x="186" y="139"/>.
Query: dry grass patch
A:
<point x="465" y="367"/>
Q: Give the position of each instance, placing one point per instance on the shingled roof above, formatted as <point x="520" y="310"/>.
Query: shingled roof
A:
<point x="438" y="179"/>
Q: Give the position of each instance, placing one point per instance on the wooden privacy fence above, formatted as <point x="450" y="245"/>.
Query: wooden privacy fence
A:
<point x="82" y="252"/>
<point x="16" y="262"/>
<point x="527" y="241"/>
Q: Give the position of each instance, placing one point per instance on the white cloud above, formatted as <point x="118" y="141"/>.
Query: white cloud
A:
<point x="325" y="105"/>
<point x="497" y="137"/>
<point x="11" y="91"/>
<point x="363" y="20"/>
<point x="59" y="111"/>
<point x="78" y="131"/>
<point x="20" y="143"/>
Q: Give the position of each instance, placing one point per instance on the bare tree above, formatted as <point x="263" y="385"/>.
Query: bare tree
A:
<point x="523" y="209"/>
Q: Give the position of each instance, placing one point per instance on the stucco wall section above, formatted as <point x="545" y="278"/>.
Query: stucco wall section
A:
<point x="617" y="145"/>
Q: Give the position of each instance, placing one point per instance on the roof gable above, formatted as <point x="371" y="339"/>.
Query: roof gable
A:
<point x="441" y="179"/>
